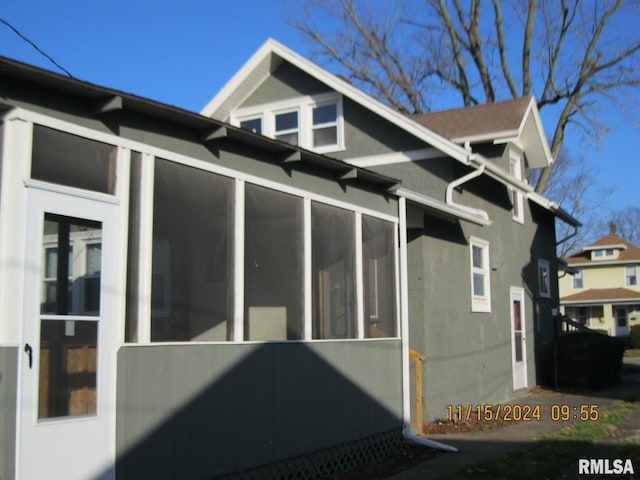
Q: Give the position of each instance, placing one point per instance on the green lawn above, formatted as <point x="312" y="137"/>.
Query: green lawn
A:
<point x="557" y="453"/>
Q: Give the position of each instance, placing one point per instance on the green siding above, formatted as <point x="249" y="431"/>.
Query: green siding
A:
<point x="8" y="391"/>
<point x="195" y="411"/>
<point x="284" y="83"/>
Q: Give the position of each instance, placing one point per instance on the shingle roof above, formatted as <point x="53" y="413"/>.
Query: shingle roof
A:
<point x="476" y="120"/>
<point x="602" y="294"/>
<point x="631" y="253"/>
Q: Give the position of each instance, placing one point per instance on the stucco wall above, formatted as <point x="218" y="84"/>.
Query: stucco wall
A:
<point x="196" y="411"/>
<point x="8" y="390"/>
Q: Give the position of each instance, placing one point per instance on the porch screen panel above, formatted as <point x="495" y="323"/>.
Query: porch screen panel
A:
<point x="379" y="265"/>
<point x="66" y="159"/>
<point x="333" y="272"/>
<point x="274" y="250"/>
<point x="192" y="258"/>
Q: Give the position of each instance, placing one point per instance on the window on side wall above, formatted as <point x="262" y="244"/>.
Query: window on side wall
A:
<point x="631" y="275"/>
<point x="578" y="279"/>
<point x="544" y="278"/>
<point x="517" y="211"/>
<point x="286" y="127"/>
<point x="480" y="277"/>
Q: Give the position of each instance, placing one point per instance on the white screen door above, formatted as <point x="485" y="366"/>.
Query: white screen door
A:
<point x="518" y="339"/>
<point x="67" y="378"/>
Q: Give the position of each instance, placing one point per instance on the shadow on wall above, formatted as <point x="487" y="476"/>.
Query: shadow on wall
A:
<point x="200" y="411"/>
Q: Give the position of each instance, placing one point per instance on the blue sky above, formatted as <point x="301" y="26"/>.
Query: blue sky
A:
<point x="182" y="53"/>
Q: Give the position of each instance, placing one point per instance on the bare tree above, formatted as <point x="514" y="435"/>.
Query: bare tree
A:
<point x="627" y="222"/>
<point x="570" y="54"/>
<point x="572" y="186"/>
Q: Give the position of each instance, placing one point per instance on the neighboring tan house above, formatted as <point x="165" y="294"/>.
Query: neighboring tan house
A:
<point x="187" y="297"/>
<point x="604" y="291"/>
<point x="482" y="266"/>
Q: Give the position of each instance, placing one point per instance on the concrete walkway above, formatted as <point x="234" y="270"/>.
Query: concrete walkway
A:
<point x="478" y="447"/>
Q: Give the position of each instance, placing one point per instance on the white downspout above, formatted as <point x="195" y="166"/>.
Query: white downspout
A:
<point x="404" y="320"/>
<point x="464" y="179"/>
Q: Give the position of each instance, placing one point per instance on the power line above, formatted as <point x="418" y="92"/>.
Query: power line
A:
<point x="2" y="20"/>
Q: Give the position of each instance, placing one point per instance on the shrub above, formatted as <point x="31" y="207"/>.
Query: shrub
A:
<point x="599" y="330"/>
<point x="634" y="337"/>
<point x="589" y="361"/>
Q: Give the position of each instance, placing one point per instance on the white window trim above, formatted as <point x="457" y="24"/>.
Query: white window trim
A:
<point x="626" y="277"/>
<point x="579" y="272"/>
<point x="304" y="106"/>
<point x="515" y="166"/>
<point x="480" y="303"/>
<point x="544" y="264"/>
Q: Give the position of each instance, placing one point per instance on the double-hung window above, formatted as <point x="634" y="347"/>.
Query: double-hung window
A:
<point x="631" y="275"/>
<point x="325" y="125"/>
<point x="287" y="126"/>
<point x="578" y="279"/>
<point x="480" y="278"/>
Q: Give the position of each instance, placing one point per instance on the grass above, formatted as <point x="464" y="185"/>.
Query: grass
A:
<point x="557" y="452"/>
<point x="632" y="352"/>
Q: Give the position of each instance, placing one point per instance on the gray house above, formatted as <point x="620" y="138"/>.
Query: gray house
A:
<point x="481" y="245"/>
<point x="236" y="293"/>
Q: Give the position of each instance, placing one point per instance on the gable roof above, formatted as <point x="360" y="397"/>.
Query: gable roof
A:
<point x="272" y="53"/>
<point x="516" y="121"/>
<point x="628" y="251"/>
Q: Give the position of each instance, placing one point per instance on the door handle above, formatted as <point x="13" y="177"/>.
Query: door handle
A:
<point x="29" y="351"/>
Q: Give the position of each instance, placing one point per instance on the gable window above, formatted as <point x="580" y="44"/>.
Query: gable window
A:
<point x="313" y="122"/>
<point x="252" y="124"/>
<point x="578" y="279"/>
<point x="544" y="278"/>
<point x="325" y="125"/>
<point x="480" y="279"/>
<point x="631" y="275"/>
<point x="287" y="127"/>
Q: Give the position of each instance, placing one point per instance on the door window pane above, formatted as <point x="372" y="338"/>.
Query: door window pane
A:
<point x="378" y="251"/>
<point x="71" y="271"/>
<point x="517" y="329"/>
<point x="333" y="266"/>
<point x="74" y="161"/>
<point x="192" y="258"/>
<point x="274" y="250"/>
<point x="68" y="361"/>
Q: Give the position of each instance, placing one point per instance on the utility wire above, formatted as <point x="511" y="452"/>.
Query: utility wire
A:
<point x="2" y="20"/>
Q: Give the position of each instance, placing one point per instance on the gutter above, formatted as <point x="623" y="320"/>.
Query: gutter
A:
<point x="404" y="320"/>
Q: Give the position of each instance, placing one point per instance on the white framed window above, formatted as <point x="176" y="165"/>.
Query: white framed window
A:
<point x="631" y="275"/>
<point x="544" y="278"/>
<point x="515" y="167"/>
<point x="480" y="277"/>
<point x="314" y="122"/>
<point x="287" y="127"/>
<point x="252" y="124"/>
<point x="578" y="280"/>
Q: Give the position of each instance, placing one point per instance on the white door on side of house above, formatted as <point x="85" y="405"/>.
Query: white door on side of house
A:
<point x="518" y="339"/>
<point x="621" y="319"/>
<point x="66" y="417"/>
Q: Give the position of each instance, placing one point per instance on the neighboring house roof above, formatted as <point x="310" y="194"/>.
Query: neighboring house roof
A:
<point x="101" y="101"/>
<point x="599" y="295"/>
<point x="516" y="121"/>
<point x="628" y="252"/>
<point x="271" y="55"/>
